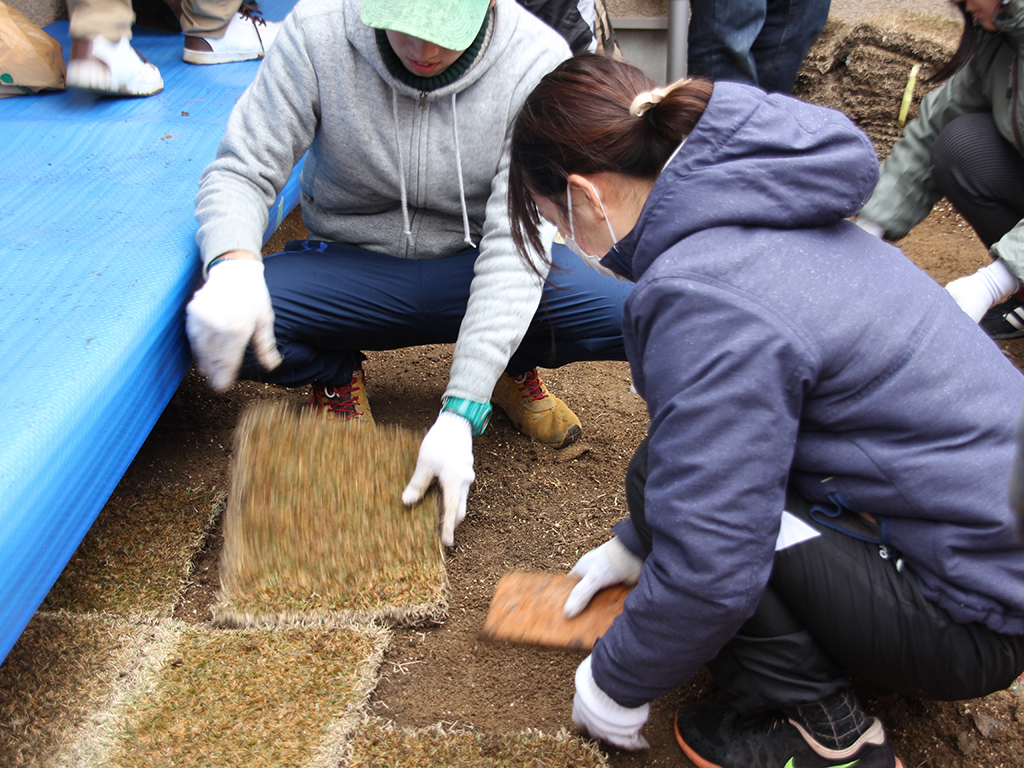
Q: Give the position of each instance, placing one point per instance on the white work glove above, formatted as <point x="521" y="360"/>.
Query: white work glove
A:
<point x="596" y="713"/>
<point x="231" y="310"/>
<point x="978" y="293"/>
<point x="446" y="454"/>
<point x="611" y="563"/>
<point x="870" y="227"/>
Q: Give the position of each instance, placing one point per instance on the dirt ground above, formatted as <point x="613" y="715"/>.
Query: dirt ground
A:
<point x="539" y="509"/>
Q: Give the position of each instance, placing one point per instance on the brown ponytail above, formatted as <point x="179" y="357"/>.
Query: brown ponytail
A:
<point x="577" y="120"/>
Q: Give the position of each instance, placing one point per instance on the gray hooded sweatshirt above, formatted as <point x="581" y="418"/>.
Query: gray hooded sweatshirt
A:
<point x="390" y="169"/>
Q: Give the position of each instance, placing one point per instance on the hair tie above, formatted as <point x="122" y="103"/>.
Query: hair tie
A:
<point x="644" y="101"/>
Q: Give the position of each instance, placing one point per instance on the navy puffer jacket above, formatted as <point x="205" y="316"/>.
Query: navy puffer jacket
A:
<point x="774" y="341"/>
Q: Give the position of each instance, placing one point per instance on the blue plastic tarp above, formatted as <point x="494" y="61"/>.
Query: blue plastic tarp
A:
<point x="97" y="261"/>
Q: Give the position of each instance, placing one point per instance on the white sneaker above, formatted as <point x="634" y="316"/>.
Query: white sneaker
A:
<point x="248" y="36"/>
<point x="116" y="69"/>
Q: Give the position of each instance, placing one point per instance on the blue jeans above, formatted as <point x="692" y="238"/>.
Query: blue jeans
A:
<point x="758" y="42"/>
<point x="331" y="301"/>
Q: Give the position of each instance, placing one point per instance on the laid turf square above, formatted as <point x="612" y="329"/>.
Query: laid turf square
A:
<point x="254" y="698"/>
<point x="377" y="744"/>
<point x="60" y="681"/>
<point x="138" y="553"/>
<point x="315" y="530"/>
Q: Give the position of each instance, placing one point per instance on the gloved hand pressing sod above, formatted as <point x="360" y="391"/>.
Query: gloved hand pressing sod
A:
<point x="978" y="293"/>
<point x="229" y="312"/>
<point x="609" y="564"/>
<point x="446" y="454"/>
<point x="598" y="714"/>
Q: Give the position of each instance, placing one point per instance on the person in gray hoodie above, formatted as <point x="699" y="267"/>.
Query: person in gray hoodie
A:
<point x="822" y="493"/>
<point x="404" y="109"/>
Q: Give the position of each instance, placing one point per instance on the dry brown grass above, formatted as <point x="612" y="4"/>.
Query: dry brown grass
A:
<point x="62" y="678"/>
<point x="254" y="698"/>
<point x="137" y="555"/>
<point x="315" y="530"/>
<point x="377" y="743"/>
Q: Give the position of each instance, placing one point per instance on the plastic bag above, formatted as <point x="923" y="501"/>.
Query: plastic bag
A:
<point x="30" y="60"/>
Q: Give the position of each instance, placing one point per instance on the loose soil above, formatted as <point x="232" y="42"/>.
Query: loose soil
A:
<point x="539" y="509"/>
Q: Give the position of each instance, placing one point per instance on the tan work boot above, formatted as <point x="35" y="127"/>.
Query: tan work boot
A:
<point x="535" y="411"/>
<point x="345" y="403"/>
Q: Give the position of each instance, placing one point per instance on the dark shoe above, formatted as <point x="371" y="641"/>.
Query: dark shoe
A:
<point x="1006" y="320"/>
<point x="715" y="736"/>
<point x="345" y="403"/>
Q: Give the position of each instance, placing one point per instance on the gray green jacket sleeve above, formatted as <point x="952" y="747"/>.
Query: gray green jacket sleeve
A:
<point x="906" y="190"/>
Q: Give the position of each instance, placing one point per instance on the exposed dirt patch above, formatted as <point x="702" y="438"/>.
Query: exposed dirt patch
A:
<point x="535" y="508"/>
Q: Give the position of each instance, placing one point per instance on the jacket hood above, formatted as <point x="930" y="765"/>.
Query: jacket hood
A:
<point x="753" y="160"/>
<point x="1010" y="21"/>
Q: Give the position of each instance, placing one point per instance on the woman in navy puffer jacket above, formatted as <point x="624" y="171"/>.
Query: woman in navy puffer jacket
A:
<point x="823" y="489"/>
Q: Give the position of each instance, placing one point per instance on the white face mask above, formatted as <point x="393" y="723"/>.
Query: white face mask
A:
<point x="591" y="260"/>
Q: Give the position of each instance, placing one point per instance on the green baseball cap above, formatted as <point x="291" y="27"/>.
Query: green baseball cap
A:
<point x="451" y="24"/>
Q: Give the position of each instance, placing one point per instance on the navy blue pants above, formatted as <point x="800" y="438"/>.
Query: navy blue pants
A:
<point x="331" y="301"/>
<point x="837" y="606"/>
<point x="758" y="42"/>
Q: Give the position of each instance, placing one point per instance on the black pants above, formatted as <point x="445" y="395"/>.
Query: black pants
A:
<point x="837" y="606"/>
<point x="981" y="174"/>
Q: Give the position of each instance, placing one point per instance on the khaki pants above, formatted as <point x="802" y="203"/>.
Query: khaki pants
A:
<point x="114" y="18"/>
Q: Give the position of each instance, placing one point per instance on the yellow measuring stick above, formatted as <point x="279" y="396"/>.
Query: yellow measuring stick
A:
<point x="908" y="94"/>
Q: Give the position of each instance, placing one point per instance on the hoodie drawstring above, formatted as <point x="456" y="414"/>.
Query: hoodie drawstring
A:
<point x="401" y="170"/>
<point x="467" y="237"/>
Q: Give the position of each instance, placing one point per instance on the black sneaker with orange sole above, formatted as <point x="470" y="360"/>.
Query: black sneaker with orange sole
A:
<point x="717" y="736"/>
